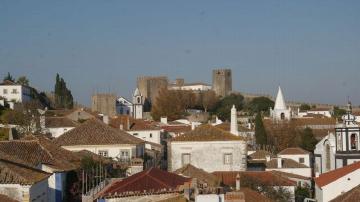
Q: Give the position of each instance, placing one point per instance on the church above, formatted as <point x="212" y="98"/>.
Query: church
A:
<point x="280" y="112"/>
<point x="340" y="148"/>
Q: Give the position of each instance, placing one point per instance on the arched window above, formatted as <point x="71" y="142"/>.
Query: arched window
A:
<point x="327" y="157"/>
<point x="282" y="116"/>
<point x="354" y="141"/>
<point x="138" y="99"/>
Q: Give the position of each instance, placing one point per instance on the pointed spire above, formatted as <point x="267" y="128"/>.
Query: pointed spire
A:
<point x="137" y="92"/>
<point x="280" y="101"/>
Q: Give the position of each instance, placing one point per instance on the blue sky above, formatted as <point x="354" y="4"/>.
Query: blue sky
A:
<point x="310" y="48"/>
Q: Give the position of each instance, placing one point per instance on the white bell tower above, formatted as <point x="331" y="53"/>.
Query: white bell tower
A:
<point x="137" y="105"/>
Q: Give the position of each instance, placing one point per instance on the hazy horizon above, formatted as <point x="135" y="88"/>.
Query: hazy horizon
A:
<point x="310" y="48"/>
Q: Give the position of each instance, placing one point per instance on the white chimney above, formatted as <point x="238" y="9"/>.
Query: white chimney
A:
<point x="164" y="120"/>
<point x="279" y="162"/>
<point x="267" y="157"/>
<point x="237" y="182"/>
<point x="121" y="127"/>
<point x="233" y="122"/>
<point x="106" y="119"/>
<point x="193" y="126"/>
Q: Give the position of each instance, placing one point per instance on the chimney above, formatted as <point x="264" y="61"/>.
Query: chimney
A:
<point x="233" y="122"/>
<point x="164" y="120"/>
<point x="237" y="182"/>
<point x="279" y="162"/>
<point x="121" y="127"/>
<point x="267" y="157"/>
<point x="193" y="126"/>
<point x="106" y="119"/>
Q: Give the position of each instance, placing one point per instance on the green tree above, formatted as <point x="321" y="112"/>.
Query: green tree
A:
<point x="223" y="107"/>
<point x="260" y="104"/>
<point x="305" y="107"/>
<point x="22" y="80"/>
<point x="63" y="96"/>
<point x="9" y="77"/>
<point x="308" y="140"/>
<point x="301" y="193"/>
<point x="338" y="112"/>
<point x="260" y="133"/>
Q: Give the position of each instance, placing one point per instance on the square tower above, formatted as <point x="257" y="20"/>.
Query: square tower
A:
<point x="222" y="82"/>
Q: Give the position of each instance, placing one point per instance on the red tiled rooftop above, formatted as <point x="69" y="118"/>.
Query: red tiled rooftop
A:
<point x="151" y="180"/>
<point x="331" y="176"/>
<point x="293" y="150"/>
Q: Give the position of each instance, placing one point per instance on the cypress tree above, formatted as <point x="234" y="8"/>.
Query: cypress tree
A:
<point x="63" y="96"/>
<point x="260" y="133"/>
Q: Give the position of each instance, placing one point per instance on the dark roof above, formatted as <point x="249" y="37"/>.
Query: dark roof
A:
<point x="38" y="150"/>
<point x="293" y="150"/>
<point x="260" y="155"/>
<point x="207" y="132"/>
<point x="15" y="173"/>
<point x="331" y="176"/>
<point x="350" y="196"/>
<point x="59" y="122"/>
<point x="132" y="124"/>
<point x="151" y="180"/>
<point x="264" y="177"/>
<point x="95" y="132"/>
<point x="201" y="175"/>
<point x="6" y="198"/>
<point x="286" y="163"/>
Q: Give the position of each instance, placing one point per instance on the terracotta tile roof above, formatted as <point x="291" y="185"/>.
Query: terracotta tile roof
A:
<point x="226" y="126"/>
<point x="207" y="132"/>
<point x="350" y="196"/>
<point x="6" y="198"/>
<point x="293" y="151"/>
<point x="132" y="124"/>
<point x="176" y="128"/>
<point x="253" y="196"/>
<point x="331" y="176"/>
<point x="201" y="175"/>
<point x="59" y="122"/>
<point x="286" y="163"/>
<point x="15" y="173"/>
<point x="290" y="175"/>
<point x="265" y="177"/>
<point x="34" y="151"/>
<point x="314" y="121"/>
<point x="260" y="154"/>
<point x="151" y="180"/>
<point x="95" y="132"/>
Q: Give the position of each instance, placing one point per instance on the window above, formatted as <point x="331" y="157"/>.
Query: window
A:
<point x="103" y="153"/>
<point x="138" y="100"/>
<point x="282" y="116"/>
<point x="124" y="153"/>
<point x="353" y="142"/>
<point x="14" y="91"/>
<point x="186" y="159"/>
<point x="5" y="91"/>
<point x="150" y="135"/>
<point x="227" y="159"/>
<point x="301" y="160"/>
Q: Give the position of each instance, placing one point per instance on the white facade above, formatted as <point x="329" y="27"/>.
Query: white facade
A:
<point x="147" y="135"/>
<point x="326" y="113"/>
<point x="337" y="187"/>
<point x="208" y="155"/>
<point x="37" y="192"/>
<point x="138" y="105"/>
<point x="193" y="87"/>
<point x="325" y="155"/>
<point x="300" y="158"/>
<point x="15" y="93"/>
<point x="114" y="151"/>
<point x="280" y="111"/>
<point x="124" y="106"/>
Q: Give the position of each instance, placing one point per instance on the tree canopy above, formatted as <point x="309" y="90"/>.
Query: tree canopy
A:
<point x="260" y="133"/>
<point x="260" y="104"/>
<point x="22" y="80"/>
<point x="308" y="141"/>
<point x="338" y="112"/>
<point x="9" y="77"/>
<point x="63" y="96"/>
<point x="305" y="107"/>
<point x="223" y="107"/>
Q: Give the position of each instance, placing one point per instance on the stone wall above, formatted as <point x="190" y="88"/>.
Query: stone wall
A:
<point x="104" y="103"/>
<point x="222" y="82"/>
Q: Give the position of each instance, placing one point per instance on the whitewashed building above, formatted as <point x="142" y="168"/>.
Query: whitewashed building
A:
<point x="57" y="126"/>
<point x="15" y="93"/>
<point x="340" y="148"/>
<point x="334" y="183"/>
<point x="138" y="105"/>
<point x="99" y="138"/>
<point x="209" y="148"/>
<point x="280" y="111"/>
<point x="124" y="106"/>
<point x="191" y="86"/>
